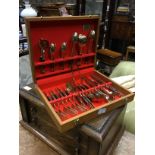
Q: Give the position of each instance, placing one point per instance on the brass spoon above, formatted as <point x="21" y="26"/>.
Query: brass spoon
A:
<point x="74" y="40"/>
<point x="52" y="49"/>
<point x="43" y="45"/>
<point x="91" y="37"/>
<point x="82" y="42"/>
<point x="63" y="48"/>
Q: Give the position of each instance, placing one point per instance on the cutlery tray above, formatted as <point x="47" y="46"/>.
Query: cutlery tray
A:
<point x="62" y="55"/>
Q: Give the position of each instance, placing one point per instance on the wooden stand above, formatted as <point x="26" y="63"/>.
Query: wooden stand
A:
<point x="109" y="58"/>
<point x="98" y="137"/>
<point x="130" y="49"/>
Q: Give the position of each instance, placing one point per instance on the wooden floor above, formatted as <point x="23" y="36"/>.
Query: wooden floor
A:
<point x="31" y="145"/>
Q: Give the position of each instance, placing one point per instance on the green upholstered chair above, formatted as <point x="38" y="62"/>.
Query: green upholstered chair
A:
<point x="122" y="69"/>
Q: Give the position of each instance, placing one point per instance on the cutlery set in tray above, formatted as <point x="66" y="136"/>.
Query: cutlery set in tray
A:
<point x="62" y="54"/>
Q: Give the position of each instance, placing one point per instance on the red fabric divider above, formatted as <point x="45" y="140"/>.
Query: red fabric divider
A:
<point x="58" y="70"/>
<point x="64" y="60"/>
<point x="61" y="79"/>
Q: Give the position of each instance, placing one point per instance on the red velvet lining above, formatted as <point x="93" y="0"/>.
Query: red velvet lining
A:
<point x="58" y="32"/>
<point x="52" y="74"/>
<point x="66" y="104"/>
<point x="61" y="79"/>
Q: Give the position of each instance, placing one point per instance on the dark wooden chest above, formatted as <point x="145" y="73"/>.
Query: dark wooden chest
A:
<point x="99" y="137"/>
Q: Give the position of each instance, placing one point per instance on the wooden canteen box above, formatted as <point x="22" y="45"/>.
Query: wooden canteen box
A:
<point x="62" y="54"/>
